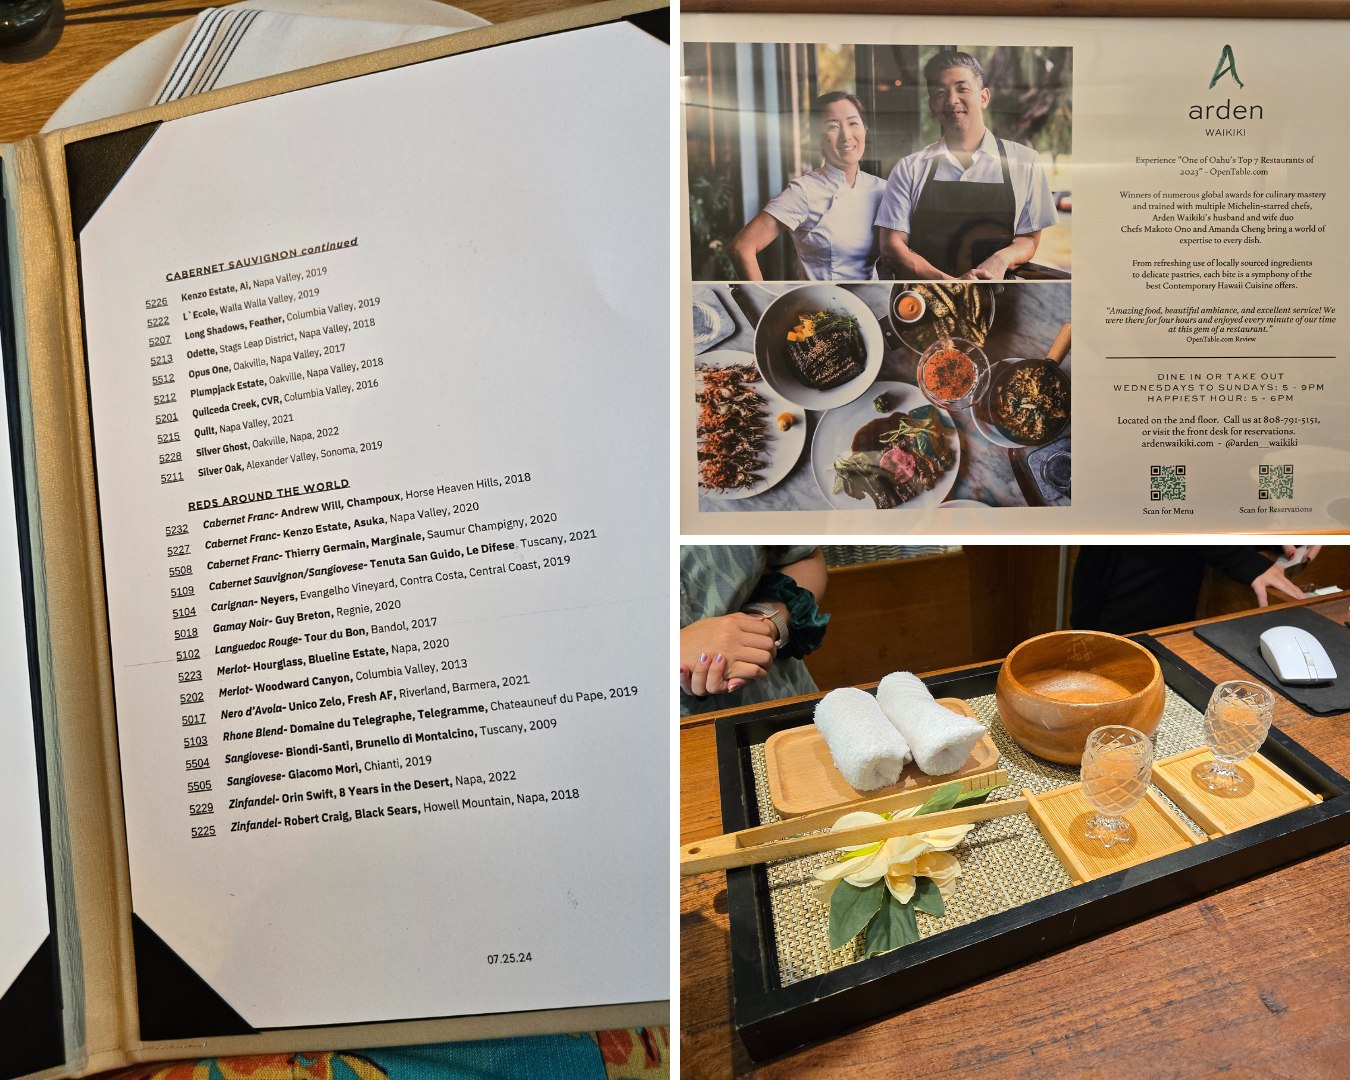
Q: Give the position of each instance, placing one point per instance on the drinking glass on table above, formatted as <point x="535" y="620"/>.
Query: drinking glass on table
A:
<point x="1117" y="765"/>
<point x="1237" y="720"/>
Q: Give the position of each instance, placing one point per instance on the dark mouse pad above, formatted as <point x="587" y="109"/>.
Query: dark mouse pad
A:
<point x="1240" y="641"/>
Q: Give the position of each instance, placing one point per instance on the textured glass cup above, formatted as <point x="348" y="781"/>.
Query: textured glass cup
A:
<point x="1237" y="720"/>
<point x="1117" y="765"/>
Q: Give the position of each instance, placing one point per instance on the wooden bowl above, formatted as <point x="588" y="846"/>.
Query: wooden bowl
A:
<point x="1055" y="688"/>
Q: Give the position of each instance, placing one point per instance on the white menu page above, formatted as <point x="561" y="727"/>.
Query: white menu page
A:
<point x="378" y="376"/>
<point x="23" y="882"/>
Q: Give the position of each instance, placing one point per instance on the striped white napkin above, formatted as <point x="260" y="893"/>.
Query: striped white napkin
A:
<point x="236" y="44"/>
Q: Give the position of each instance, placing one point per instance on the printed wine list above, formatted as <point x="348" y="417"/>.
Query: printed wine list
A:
<point x="384" y="536"/>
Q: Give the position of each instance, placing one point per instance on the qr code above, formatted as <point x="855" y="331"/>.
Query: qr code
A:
<point x="1166" y="482"/>
<point x="1275" y="482"/>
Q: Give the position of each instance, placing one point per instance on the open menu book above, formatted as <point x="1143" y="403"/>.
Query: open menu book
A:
<point x="334" y="572"/>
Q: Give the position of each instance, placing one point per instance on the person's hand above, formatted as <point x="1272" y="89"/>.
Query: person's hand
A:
<point x="994" y="268"/>
<point x="708" y="676"/>
<point x="1274" y="579"/>
<point x="725" y="649"/>
<point x="1291" y="549"/>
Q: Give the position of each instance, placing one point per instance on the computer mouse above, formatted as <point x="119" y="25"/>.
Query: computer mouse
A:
<point x="1296" y="656"/>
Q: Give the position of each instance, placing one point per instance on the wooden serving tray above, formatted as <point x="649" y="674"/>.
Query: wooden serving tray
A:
<point x="802" y="777"/>
<point x="1270" y="793"/>
<point x="1062" y="814"/>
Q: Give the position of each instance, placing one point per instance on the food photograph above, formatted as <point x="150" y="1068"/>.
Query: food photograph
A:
<point x="903" y="396"/>
<point x="987" y="810"/>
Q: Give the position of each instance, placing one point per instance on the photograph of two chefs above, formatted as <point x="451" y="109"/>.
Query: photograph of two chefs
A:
<point x="859" y="162"/>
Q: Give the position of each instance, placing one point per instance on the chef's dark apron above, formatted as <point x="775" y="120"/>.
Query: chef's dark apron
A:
<point x="957" y="224"/>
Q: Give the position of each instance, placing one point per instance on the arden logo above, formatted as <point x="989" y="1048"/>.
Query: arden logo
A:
<point x="1226" y="109"/>
<point x="1227" y="65"/>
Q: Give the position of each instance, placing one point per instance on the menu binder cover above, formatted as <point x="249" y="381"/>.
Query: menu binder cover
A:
<point x="30" y="992"/>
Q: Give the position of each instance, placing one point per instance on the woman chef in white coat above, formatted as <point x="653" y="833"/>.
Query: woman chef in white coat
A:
<point x="829" y="211"/>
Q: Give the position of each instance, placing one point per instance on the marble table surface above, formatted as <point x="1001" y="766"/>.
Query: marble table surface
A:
<point x="1027" y="316"/>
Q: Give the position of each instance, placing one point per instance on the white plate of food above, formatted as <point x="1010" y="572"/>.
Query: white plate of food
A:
<point x="894" y="454"/>
<point x="819" y="346"/>
<point x="748" y="437"/>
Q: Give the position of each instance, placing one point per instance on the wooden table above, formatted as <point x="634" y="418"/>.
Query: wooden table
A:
<point x="1252" y="981"/>
<point x="96" y="32"/>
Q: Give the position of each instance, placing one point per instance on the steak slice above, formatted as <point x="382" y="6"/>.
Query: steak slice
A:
<point x="829" y="357"/>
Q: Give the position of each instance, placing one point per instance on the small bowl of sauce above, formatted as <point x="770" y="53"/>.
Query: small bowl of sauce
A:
<point x="909" y="307"/>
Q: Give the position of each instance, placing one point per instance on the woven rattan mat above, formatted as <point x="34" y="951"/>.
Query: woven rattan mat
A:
<point x="1004" y="862"/>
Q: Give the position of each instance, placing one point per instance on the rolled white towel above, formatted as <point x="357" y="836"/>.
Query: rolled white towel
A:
<point x="940" y="739"/>
<point x="867" y="750"/>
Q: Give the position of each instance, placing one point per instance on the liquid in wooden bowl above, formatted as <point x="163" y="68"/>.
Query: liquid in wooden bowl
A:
<point x="1053" y="690"/>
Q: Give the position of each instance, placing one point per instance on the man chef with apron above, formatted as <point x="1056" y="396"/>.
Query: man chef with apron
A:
<point x="970" y="205"/>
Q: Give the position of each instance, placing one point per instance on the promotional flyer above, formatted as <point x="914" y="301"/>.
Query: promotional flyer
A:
<point x="1001" y="275"/>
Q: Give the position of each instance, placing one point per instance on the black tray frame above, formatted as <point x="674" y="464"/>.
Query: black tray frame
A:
<point x="772" y="1019"/>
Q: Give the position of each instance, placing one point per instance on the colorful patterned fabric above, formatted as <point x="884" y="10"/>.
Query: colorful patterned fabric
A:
<point x="635" y="1053"/>
<point x="632" y="1054"/>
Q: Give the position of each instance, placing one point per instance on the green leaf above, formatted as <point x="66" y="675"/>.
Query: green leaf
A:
<point x="950" y="796"/>
<point x="921" y="445"/>
<point x="893" y="927"/>
<point x="928" y="897"/>
<point x="978" y="795"/>
<point x="852" y="908"/>
<point x="944" y="798"/>
<point x="860" y="477"/>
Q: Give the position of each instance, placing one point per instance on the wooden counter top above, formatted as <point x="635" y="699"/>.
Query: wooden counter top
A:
<point x="1252" y="981"/>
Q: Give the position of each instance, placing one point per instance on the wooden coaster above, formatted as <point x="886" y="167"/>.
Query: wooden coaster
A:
<point x="1267" y="792"/>
<point x="1062" y="815"/>
<point x="802" y="777"/>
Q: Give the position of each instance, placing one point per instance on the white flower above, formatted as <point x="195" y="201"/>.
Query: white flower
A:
<point x="900" y="860"/>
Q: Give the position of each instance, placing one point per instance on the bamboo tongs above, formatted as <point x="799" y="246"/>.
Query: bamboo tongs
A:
<point x="783" y="840"/>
